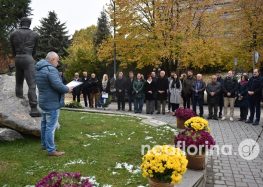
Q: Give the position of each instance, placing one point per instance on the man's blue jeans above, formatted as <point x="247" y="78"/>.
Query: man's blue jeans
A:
<point x="138" y="104"/>
<point x="48" y="126"/>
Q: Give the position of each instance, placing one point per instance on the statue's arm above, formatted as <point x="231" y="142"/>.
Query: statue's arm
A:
<point x="12" y="45"/>
<point x="35" y="47"/>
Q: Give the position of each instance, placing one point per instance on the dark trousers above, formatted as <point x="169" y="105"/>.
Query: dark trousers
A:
<point x="138" y="104"/>
<point x="130" y="100"/>
<point x="86" y="98"/>
<point x="254" y="107"/>
<point x="76" y="95"/>
<point x="25" y="69"/>
<point x="187" y="101"/>
<point x="174" y="106"/>
<point x="197" y="100"/>
<point x="150" y="106"/>
<point x="155" y="104"/>
<point x="243" y="113"/>
<point x="161" y="103"/>
<point x="221" y="104"/>
<point x="121" y="101"/>
<point x="169" y="104"/>
<point x="213" y="109"/>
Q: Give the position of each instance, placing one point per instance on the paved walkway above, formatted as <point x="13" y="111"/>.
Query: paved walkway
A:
<point x="226" y="170"/>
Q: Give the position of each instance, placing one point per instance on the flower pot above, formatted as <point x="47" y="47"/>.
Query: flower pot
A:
<point x="196" y="162"/>
<point x="180" y="123"/>
<point x="154" y="183"/>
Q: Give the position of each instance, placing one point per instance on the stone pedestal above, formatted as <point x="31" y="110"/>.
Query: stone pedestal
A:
<point x="14" y="112"/>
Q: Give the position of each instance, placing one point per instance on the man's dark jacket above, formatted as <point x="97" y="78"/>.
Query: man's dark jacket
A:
<point x="129" y="86"/>
<point x="216" y="88"/>
<point x="255" y="84"/>
<point x="120" y="84"/>
<point x="187" y="86"/>
<point x="85" y="87"/>
<point x="201" y="89"/>
<point x="230" y="85"/>
<point x="94" y="85"/>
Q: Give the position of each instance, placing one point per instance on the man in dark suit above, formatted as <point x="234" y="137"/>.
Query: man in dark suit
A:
<point x="230" y="88"/>
<point x="221" y="94"/>
<point x="198" y="89"/>
<point x="85" y="88"/>
<point x="76" y="91"/>
<point x="254" y="97"/>
<point x="130" y="89"/>
<point x="120" y="85"/>
<point x="213" y="90"/>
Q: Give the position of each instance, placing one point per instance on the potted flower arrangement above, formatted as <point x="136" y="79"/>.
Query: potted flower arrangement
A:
<point x="195" y="140"/>
<point x="164" y="166"/>
<point x="197" y="123"/>
<point x="56" y="179"/>
<point x="183" y="114"/>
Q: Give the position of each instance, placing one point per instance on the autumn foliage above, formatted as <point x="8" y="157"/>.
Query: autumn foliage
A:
<point x="184" y="33"/>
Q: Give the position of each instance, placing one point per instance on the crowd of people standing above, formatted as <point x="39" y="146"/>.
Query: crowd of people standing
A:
<point x="157" y="91"/>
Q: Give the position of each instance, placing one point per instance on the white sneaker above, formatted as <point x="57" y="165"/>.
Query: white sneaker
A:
<point x="231" y="119"/>
<point x="223" y="118"/>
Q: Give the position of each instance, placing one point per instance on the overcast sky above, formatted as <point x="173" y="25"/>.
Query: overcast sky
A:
<point x="77" y="14"/>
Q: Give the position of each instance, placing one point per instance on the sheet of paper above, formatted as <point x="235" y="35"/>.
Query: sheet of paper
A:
<point x="105" y="95"/>
<point x="74" y="84"/>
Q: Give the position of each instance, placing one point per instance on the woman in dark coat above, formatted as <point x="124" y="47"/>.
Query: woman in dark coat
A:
<point x="162" y="85"/>
<point x="150" y="91"/>
<point x="242" y="99"/>
<point x="94" y="90"/>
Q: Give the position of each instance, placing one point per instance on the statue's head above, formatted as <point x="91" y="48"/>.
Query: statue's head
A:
<point x="25" y="22"/>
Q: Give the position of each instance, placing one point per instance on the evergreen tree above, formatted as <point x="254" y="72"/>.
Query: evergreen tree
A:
<point x="10" y="14"/>
<point x="103" y="30"/>
<point x="52" y="36"/>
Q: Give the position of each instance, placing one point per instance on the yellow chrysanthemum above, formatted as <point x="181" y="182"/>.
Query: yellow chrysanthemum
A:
<point x="163" y="158"/>
<point x="197" y="123"/>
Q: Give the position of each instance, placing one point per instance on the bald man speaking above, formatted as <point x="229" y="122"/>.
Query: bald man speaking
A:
<point x="51" y="99"/>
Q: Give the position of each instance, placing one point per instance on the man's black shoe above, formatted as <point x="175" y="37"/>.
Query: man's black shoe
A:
<point x="249" y="121"/>
<point x="255" y="123"/>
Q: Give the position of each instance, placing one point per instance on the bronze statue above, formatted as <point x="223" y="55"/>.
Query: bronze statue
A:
<point x="24" y="43"/>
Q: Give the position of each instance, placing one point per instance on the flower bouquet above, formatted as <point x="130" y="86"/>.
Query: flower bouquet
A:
<point x="195" y="140"/>
<point x="164" y="166"/>
<point x="56" y="179"/>
<point x="183" y="114"/>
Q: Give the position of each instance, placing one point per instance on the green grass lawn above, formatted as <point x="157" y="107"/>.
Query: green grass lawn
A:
<point x="94" y="145"/>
